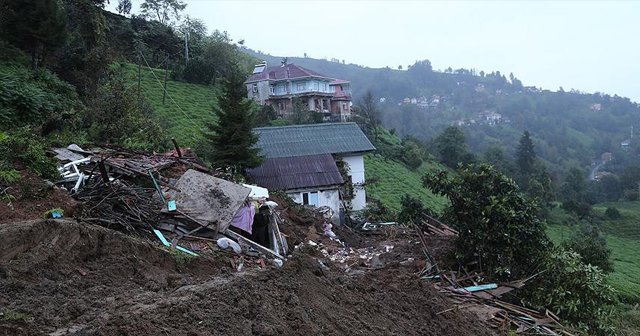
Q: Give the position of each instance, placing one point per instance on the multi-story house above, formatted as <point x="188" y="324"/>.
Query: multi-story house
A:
<point x="279" y="86"/>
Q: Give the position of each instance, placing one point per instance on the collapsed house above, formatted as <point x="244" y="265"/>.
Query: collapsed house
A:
<point x="169" y="194"/>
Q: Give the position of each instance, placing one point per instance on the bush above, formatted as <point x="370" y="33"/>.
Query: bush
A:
<point x="118" y="117"/>
<point x="591" y="247"/>
<point x="576" y="292"/>
<point x="499" y="228"/>
<point x="21" y="145"/>
<point x="33" y="98"/>
<point x="612" y="213"/>
<point x="631" y="195"/>
<point x="580" y="209"/>
<point x="377" y="212"/>
<point x="412" y="210"/>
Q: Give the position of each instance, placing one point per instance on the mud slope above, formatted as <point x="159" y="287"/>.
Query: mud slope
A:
<point x="65" y="278"/>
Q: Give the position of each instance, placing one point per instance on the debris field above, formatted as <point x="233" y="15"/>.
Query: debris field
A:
<point x="149" y="244"/>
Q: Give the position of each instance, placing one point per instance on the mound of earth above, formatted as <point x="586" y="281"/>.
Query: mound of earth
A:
<point x="31" y="197"/>
<point x="67" y="278"/>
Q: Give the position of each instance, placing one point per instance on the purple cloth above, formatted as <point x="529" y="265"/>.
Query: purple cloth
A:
<point x="243" y="219"/>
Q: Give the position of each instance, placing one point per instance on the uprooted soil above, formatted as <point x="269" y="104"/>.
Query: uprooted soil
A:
<point x="67" y="278"/>
<point x="30" y="197"/>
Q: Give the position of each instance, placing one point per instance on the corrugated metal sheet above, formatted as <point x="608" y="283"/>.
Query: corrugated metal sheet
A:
<point x="297" y="172"/>
<point x="299" y="140"/>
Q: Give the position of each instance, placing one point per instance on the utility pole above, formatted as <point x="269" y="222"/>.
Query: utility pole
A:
<point x="186" y="45"/>
<point x="139" y="77"/>
<point x="166" y="72"/>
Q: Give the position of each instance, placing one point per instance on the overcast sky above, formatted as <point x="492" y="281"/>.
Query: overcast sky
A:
<point x="586" y="45"/>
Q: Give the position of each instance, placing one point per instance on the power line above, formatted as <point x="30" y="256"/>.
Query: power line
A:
<point x="168" y="95"/>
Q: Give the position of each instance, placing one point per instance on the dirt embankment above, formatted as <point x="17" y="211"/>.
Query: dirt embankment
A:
<point x="67" y="278"/>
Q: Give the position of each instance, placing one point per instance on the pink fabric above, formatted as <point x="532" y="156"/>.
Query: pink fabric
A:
<point x="243" y="219"/>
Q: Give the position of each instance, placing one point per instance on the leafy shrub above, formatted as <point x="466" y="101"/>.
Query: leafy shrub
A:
<point x="612" y="212"/>
<point x="631" y="195"/>
<point x="412" y="210"/>
<point x="591" y="247"/>
<point x="499" y="228"/>
<point x="33" y="98"/>
<point x="377" y="212"/>
<point x="118" y="117"/>
<point x="412" y="153"/>
<point x="23" y="146"/>
<point x="576" y="292"/>
<point x="580" y="209"/>
<point x="9" y="176"/>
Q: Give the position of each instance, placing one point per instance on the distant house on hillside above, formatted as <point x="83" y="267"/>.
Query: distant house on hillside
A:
<point x="278" y="86"/>
<point x="490" y="117"/>
<point x="626" y="144"/>
<point x="301" y="159"/>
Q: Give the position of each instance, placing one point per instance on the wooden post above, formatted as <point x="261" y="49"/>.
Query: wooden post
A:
<point x="164" y="92"/>
<point x="139" y="78"/>
<point x="175" y="144"/>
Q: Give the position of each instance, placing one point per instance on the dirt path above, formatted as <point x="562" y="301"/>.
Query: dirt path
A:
<point x="66" y="278"/>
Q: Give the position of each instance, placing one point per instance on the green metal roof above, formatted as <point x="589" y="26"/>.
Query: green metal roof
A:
<point x="313" y="139"/>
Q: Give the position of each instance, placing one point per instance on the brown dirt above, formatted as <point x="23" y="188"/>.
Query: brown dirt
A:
<point x="30" y="198"/>
<point x="70" y="278"/>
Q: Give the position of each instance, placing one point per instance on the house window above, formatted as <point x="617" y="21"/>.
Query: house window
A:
<point x="344" y="107"/>
<point x="281" y="106"/>
<point x="300" y="87"/>
<point x="255" y="88"/>
<point x="310" y="198"/>
<point x="272" y="89"/>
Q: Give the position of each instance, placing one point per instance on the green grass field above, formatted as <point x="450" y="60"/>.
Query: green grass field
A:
<point x="393" y="179"/>
<point x="187" y="106"/>
<point x="623" y="237"/>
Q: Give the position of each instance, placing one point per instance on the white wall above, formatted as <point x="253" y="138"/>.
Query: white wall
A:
<point x="330" y="198"/>
<point x="356" y="166"/>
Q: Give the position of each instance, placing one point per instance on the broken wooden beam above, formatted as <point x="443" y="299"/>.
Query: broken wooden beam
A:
<point x="253" y="244"/>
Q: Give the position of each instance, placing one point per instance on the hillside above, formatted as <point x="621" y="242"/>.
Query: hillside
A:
<point x="569" y="128"/>
<point x="388" y="180"/>
<point x="623" y="237"/>
<point x="187" y="108"/>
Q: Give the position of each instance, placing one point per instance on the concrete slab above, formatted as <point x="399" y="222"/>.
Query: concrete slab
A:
<point x="209" y="199"/>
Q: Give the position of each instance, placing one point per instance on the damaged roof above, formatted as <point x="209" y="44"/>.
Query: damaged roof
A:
<point x="298" y="172"/>
<point x="313" y="139"/>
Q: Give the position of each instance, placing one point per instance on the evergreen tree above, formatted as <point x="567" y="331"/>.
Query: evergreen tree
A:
<point x="230" y="142"/>
<point x="525" y="156"/>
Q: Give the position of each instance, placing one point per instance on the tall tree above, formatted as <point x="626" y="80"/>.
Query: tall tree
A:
<point x="164" y="11"/>
<point x="525" y="155"/>
<point x="300" y="114"/>
<point x="371" y="115"/>
<point x="230" y="142"/>
<point x="494" y="155"/>
<point x="574" y="193"/>
<point x="36" y="26"/>
<point x="452" y="147"/>
<point x="124" y="7"/>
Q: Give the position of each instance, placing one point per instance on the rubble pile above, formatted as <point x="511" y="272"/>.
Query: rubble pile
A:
<point x="229" y="269"/>
<point x="145" y="193"/>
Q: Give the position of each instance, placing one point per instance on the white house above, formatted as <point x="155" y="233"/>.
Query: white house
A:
<point x="309" y="179"/>
<point x="303" y="158"/>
